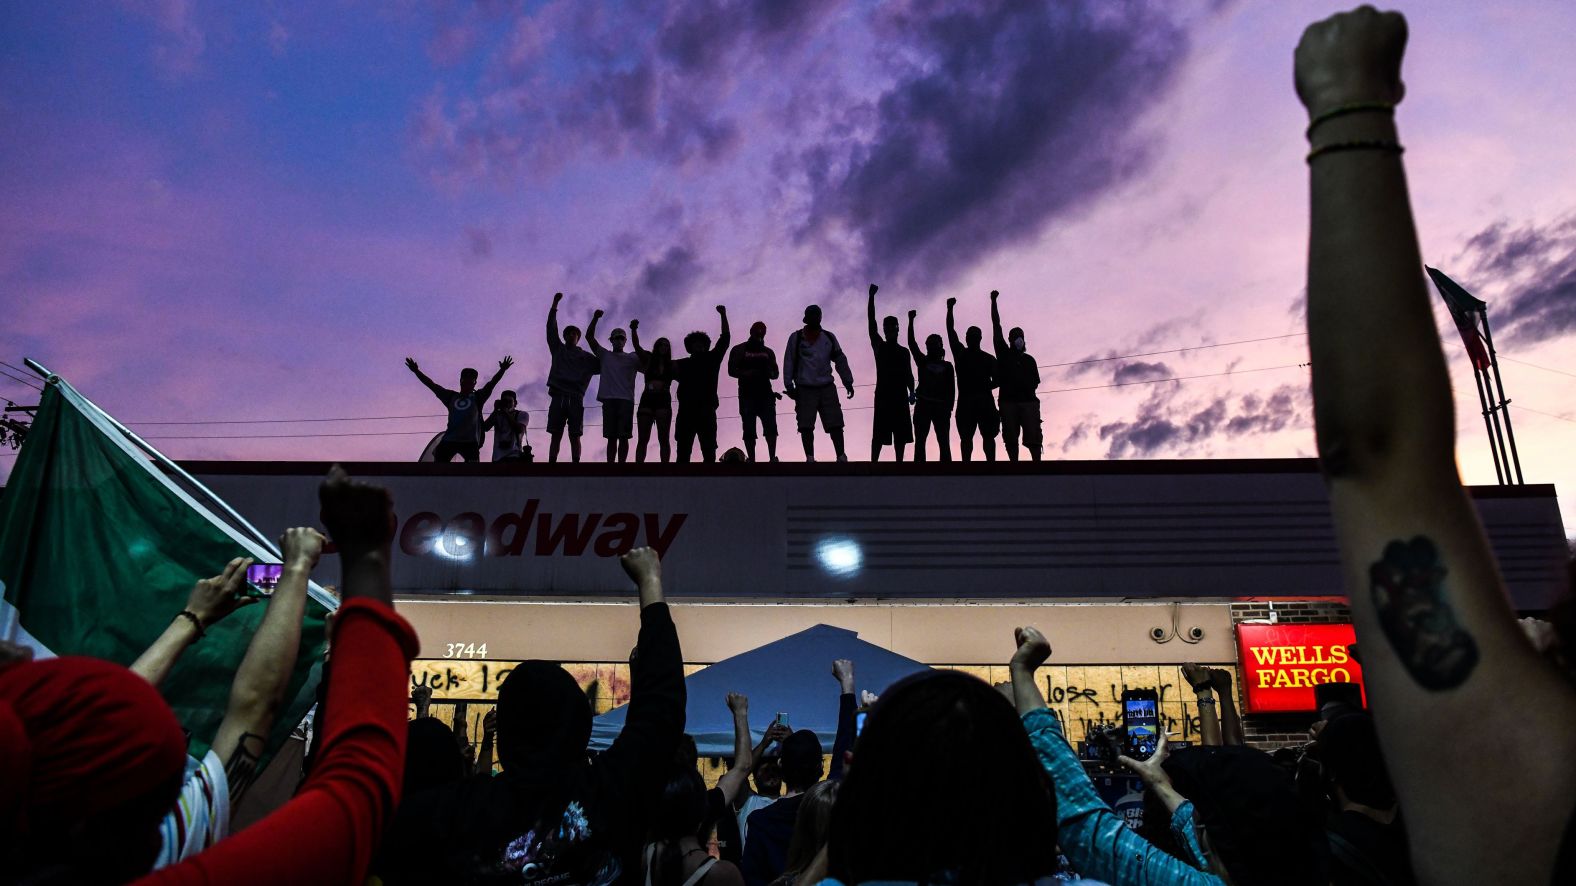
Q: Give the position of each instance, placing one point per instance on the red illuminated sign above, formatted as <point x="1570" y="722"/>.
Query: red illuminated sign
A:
<point x="1282" y="663"/>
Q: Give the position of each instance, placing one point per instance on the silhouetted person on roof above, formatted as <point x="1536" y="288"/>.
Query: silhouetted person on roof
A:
<point x="808" y="360"/>
<point x="464" y="434"/>
<point x="656" y="401"/>
<point x="933" y="393"/>
<point x="1019" y="377"/>
<point x="616" y="390"/>
<point x="976" y="370"/>
<point x="894" y="386"/>
<point x="697" y="394"/>
<point x="755" y="365"/>
<point x="567" y="381"/>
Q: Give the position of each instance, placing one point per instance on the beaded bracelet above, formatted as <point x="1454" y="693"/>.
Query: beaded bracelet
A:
<point x="1343" y="110"/>
<point x="196" y="622"/>
<point x="1364" y="145"/>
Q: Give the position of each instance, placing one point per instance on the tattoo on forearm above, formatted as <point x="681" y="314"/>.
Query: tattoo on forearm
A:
<point x="241" y="768"/>
<point x="1408" y="592"/>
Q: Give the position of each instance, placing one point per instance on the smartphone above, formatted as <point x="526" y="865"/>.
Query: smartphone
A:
<point x="782" y="719"/>
<point x="264" y="577"/>
<point x="859" y="722"/>
<point x="1140" y="722"/>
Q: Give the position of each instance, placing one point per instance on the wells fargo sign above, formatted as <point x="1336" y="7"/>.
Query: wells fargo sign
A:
<point x="1282" y="663"/>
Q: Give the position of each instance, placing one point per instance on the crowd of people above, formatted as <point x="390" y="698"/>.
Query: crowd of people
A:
<point x="950" y="780"/>
<point x="995" y="392"/>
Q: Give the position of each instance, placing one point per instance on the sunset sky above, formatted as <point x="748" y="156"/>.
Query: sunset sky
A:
<point x="226" y="212"/>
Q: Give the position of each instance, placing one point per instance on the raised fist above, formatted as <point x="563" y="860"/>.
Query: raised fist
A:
<point x="302" y="545"/>
<point x="912" y="314"/>
<point x="994" y="295"/>
<point x="634" y="324"/>
<point x="722" y="309"/>
<point x="1350" y="58"/>
<point x="359" y="516"/>
<point x="738" y="701"/>
<point x="596" y="314"/>
<point x="952" y="303"/>
<point x="1033" y="648"/>
<point x="873" y="288"/>
<point x="641" y="564"/>
<point x="557" y="297"/>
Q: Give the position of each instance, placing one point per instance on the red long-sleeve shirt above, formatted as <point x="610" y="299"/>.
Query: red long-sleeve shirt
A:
<point x="329" y="830"/>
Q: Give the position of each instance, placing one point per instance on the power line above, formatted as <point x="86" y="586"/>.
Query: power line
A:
<point x="1548" y="414"/>
<point x="22" y="381"/>
<point x="1536" y="366"/>
<point x="1224" y="344"/>
<point x="1148" y="381"/>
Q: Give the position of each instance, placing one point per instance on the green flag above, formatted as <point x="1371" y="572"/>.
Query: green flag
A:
<point x="100" y="546"/>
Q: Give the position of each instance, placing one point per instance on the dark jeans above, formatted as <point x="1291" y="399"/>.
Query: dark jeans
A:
<point x="446" y="451"/>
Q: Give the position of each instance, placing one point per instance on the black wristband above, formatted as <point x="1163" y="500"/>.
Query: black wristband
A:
<point x="1388" y="147"/>
<point x="196" y="622"/>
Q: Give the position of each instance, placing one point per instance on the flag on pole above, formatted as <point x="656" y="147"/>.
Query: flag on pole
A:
<point x="101" y="541"/>
<point x="1465" y="309"/>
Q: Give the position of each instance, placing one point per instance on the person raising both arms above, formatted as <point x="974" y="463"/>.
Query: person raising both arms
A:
<point x="1019" y="377"/>
<point x="1440" y="643"/>
<point x="567" y="380"/>
<point x="464" y="434"/>
<point x="894" y="386"/>
<point x="808" y="359"/>
<point x="616" y="390"/>
<point x="976" y="379"/>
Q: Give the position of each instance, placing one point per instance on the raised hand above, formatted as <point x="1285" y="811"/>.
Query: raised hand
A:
<point x="214" y="598"/>
<point x="1150" y="770"/>
<point x="738" y="701"/>
<point x="1351" y="58"/>
<point x="722" y="309"/>
<point x="634" y="325"/>
<point x="421" y="695"/>
<point x="597" y="314"/>
<point x="490" y="722"/>
<point x="843" y="672"/>
<point x="1033" y="648"/>
<point x="642" y="565"/>
<point x="302" y="546"/>
<point x="994" y="295"/>
<point x="952" y="303"/>
<point x="505" y="363"/>
<point x="912" y="314"/>
<point x="557" y="297"/>
<point x="873" y="288"/>
<point x="777" y="732"/>
<point x="359" y="516"/>
<point x="410" y="363"/>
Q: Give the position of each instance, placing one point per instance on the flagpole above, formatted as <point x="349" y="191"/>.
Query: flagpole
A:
<point x="1488" y="426"/>
<point x="1504" y="404"/>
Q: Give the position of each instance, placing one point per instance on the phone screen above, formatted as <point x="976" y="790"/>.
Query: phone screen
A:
<point x="859" y="722"/>
<point x="1141" y="717"/>
<point x="264" y="576"/>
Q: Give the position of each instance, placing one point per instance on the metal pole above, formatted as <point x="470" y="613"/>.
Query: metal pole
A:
<point x="1493" y="450"/>
<point x="1504" y="404"/>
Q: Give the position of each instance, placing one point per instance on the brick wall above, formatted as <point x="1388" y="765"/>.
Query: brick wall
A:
<point x="1270" y="731"/>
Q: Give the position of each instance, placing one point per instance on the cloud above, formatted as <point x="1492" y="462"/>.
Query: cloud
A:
<point x="1162" y="333"/>
<point x="178" y="52"/>
<point x="1138" y="371"/>
<point x="1167" y="423"/>
<point x="1538" y="266"/>
<point x="478" y="242"/>
<point x="1001" y="118"/>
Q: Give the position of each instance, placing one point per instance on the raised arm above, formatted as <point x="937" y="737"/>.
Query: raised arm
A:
<point x="260" y="682"/>
<point x="554" y="340"/>
<point x="485" y="393"/>
<point x="591" y="333"/>
<point x="995" y="325"/>
<point x="1097" y="841"/>
<point x="210" y="600"/>
<point x="913" y="343"/>
<point x="723" y="339"/>
<point x="338" y="816"/>
<point x="634" y="341"/>
<point x="643" y="750"/>
<point x="410" y="363"/>
<point x="1438" y="637"/>
<point x="870" y="311"/>
<point x="847" y="708"/>
<point x="732" y="782"/>
<point x="952" y="330"/>
<point x="484" y="757"/>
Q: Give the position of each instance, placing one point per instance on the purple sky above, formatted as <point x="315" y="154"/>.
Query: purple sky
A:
<point x="256" y="211"/>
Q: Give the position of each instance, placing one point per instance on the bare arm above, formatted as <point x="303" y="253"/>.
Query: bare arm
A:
<point x="591" y="333"/>
<point x="995" y="324"/>
<point x="870" y="311"/>
<point x="732" y="782"/>
<point x="1197" y="677"/>
<point x="434" y="387"/>
<point x="484" y="757"/>
<point x="210" y="600"/>
<point x="485" y="393"/>
<point x="634" y="342"/>
<point x="913" y="343"/>
<point x="1439" y="640"/>
<point x="952" y="330"/>
<point x="259" y="687"/>
<point x="723" y="338"/>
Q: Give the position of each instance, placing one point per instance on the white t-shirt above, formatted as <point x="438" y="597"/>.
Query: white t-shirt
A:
<point x="752" y="803"/>
<point x="618" y="375"/>
<point x="507" y="439"/>
<point x="201" y="816"/>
